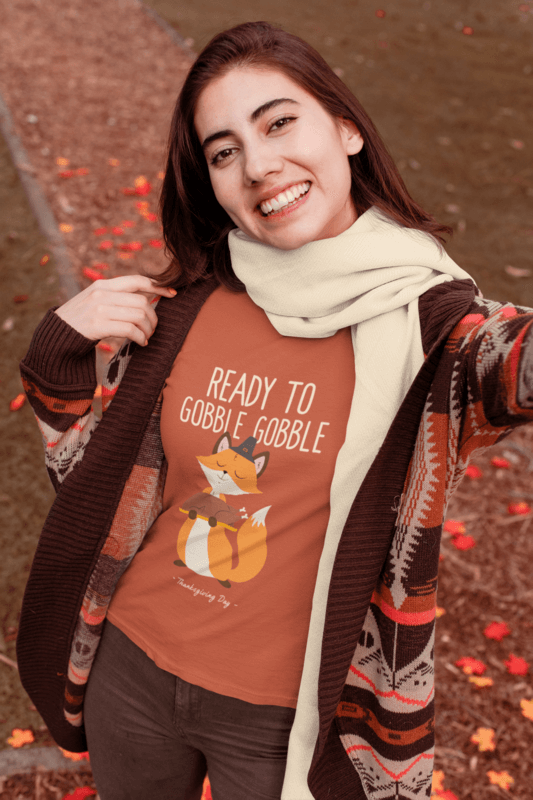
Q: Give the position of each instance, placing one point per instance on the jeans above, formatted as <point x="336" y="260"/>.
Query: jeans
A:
<point x="154" y="736"/>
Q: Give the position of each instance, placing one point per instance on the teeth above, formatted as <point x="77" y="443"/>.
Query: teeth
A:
<point x="285" y="198"/>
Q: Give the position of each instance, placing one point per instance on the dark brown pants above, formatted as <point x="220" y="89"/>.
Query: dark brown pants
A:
<point x="153" y="735"/>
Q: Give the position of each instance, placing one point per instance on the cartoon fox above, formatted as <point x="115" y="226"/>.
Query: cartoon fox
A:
<point x="203" y="545"/>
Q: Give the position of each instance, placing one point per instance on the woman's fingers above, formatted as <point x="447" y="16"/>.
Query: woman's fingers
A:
<point x="125" y="301"/>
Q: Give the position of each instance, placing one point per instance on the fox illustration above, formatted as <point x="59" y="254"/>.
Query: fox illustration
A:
<point x="203" y="545"/>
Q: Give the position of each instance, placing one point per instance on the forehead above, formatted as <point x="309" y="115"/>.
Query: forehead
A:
<point x="233" y="97"/>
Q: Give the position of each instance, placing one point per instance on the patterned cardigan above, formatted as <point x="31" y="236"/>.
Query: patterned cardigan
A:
<point x="376" y="692"/>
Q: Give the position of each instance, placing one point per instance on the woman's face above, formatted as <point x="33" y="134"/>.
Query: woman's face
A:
<point x="278" y="161"/>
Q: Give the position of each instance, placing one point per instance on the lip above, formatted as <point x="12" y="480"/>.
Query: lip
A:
<point x="283" y="212"/>
<point x="275" y="190"/>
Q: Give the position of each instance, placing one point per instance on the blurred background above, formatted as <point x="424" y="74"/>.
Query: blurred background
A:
<point x="90" y="89"/>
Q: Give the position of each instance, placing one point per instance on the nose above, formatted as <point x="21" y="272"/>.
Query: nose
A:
<point x="260" y="160"/>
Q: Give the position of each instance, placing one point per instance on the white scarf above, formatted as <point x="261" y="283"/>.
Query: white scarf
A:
<point x="368" y="278"/>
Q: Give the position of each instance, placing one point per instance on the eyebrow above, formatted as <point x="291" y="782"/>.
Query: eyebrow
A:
<point x="254" y="116"/>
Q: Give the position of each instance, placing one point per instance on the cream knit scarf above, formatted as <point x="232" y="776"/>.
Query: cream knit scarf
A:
<point x="368" y="278"/>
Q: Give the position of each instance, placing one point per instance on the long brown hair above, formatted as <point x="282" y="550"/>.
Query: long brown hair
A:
<point x="195" y="226"/>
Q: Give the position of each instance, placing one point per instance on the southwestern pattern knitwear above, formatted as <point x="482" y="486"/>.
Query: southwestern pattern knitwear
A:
<point x="375" y="696"/>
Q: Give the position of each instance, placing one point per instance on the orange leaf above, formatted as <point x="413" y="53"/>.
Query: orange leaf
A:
<point x="527" y="708"/>
<point x="141" y="204"/>
<point x="75" y="756"/>
<point x="44" y="260"/>
<point x="82" y="171"/>
<point x="518" y="508"/>
<point x="65" y="227"/>
<point x="62" y="162"/>
<point x="439" y="611"/>
<point x="128" y="223"/>
<point x="113" y="162"/>
<point x="126" y="256"/>
<point x="464" y="542"/>
<point x="130" y="246"/>
<point x="484" y="738"/>
<point x="497" y="461"/>
<point x="516" y="665"/>
<point x="160" y="175"/>
<point x="140" y="181"/>
<point x="473" y="472"/>
<point x="471" y="666"/>
<point x="17" y="402"/>
<point x="438" y="781"/>
<point x="501" y="779"/>
<point x="480" y="682"/>
<point x="454" y="526"/>
<point x="497" y="630"/>
<point x="20" y="737"/>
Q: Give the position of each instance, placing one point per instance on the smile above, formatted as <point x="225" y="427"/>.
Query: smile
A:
<point x="284" y="199"/>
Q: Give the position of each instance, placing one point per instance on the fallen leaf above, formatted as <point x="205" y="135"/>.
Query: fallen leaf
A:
<point x="484" y="738"/>
<point x="17" y="402"/>
<point x="481" y="682"/>
<point x="156" y="243"/>
<point x="454" y="526"/>
<point x="467" y="30"/>
<point x="113" y="162"/>
<point x="501" y="779"/>
<point x="100" y="265"/>
<point x="471" y="666"/>
<point x="160" y="175"/>
<point x="518" y="508"/>
<point x="117" y="231"/>
<point x="497" y="630"/>
<point x="65" y="227"/>
<point x="516" y="665"/>
<point x="527" y="708"/>
<point x="62" y="162"/>
<point x="92" y="274"/>
<point x="20" y="737"/>
<point x="142" y="186"/>
<point x="100" y="231"/>
<point x="150" y="216"/>
<point x="128" y="223"/>
<point x="517" y="144"/>
<point x="82" y="171"/>
<point x="80" y="793"/>
<point x="463" y="542"/>
<point x="131" y="246"/>
<point x="473" y="472"/>
<point x="105" y="244"/>
<point x="127" y="190"/>
<point x="126" y="256"/>
<point x="75" y="756"/>
<point x="439" y="611"/>
<point x="438" y="781"/>
<point x="380" y="13"/>
<point x="142" y="204"/>
<point x="498" y="461"/>
<point x="517" y="272"/>
<point x="66" y="173"/>
<point x="20" y="298"/>
<point x="44" y="260"/>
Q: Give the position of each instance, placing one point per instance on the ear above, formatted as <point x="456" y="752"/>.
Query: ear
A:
<point x="261" y="462"/>
<point x="224" y="443"/>
<point x="353" y="141"/>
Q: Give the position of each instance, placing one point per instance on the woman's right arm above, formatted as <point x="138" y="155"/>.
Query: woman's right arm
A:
<point x="58" y="372"/>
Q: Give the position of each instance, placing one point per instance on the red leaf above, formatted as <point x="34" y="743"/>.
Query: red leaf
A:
<point x="467" y="30"/>
<point x="128" y="223"/>
<point x="145" y="188"/>
<point x="518" y="508"/>
<point x="20" y="298"/>
<point x="471" y="666"/>
<point x="130" y="246"/>
<point x="497" y="461"/>
<point x="106" y="244"/>
<point x="117" y="231"/>
<point x="128" y="190"/>
<point x="516" y="665"/>
<point x="380" y="13"/>
<point x="473" y="472"/>
<point x="150" y="216"/>
<point x="44" y="260"/>
<point x="80" y="793"/>
<point x="454" y="526"/>
<point x="92" y="274"/>
<point x="66" y="173"/>
<point x="464" y="542"/>
<point x="101" y="265"/>
<point x="82" y="171"/>
<point x="497" y="630"/>
<point x="100" y="231"/>
<point x="156" y="243"/>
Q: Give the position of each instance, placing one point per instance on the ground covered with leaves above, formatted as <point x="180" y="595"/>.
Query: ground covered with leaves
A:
<point x="449" y="86"/>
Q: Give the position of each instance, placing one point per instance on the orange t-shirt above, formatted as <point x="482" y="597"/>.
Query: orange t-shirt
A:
<point x="220" y="592"/>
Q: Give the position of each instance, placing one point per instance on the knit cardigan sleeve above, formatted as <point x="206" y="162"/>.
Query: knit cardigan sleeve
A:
<point x="59" y="378"/>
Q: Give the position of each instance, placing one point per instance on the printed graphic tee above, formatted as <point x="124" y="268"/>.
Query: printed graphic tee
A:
<point x="220" y="592"/>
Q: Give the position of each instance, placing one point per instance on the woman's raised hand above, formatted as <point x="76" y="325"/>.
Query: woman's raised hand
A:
<point x="118" y="307"/>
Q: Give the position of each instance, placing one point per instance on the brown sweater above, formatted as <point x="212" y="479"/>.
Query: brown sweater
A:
<point x="376" y="708"/>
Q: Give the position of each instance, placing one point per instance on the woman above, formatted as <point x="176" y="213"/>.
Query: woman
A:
<point x="259" y="511"/>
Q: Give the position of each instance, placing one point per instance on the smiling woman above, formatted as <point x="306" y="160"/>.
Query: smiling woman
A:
<point x="309" y="312"/>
